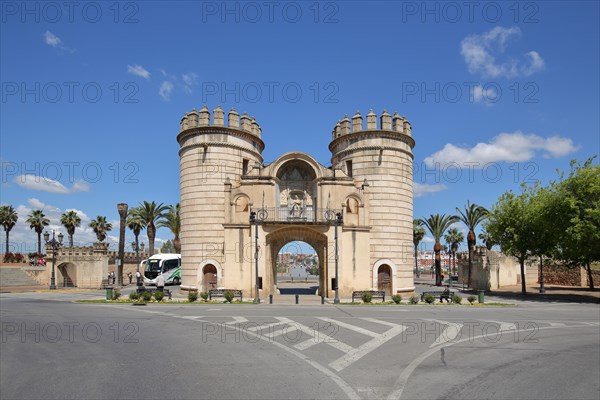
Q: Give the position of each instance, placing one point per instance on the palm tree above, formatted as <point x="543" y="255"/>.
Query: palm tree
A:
<point x="150" y="214"/>
<point x="100" y="226"/>
<point x="418" y="235"/>
<point x="173" y="222"/>
<point x="135" y="223"/>
<point x="472" y="216"/>
<point x="8" y="219"/>
<point x="486" y="238"/>
<point x="37" y="221"/>
<point x="454" y="238"/>
<point x="438" y="224"/>
<point x="70" y="220"/>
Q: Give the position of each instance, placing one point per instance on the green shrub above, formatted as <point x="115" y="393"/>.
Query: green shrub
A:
<point x="158" y="296"/>
<point x="192" y="296"/>
<point x="367" y="297"/>
<point x="133" y="296"/>
<point x="116" y="294"/>
<point x="456" y="298"/>
<point x="471" y="299"/>
<point x="146" y="296"/>
<point x="228" y="296"/>
<point x="429" y="298"/>
<point x="204" y="296"/>
<point x="397" y="298"/>
<point x="413" y="300"/>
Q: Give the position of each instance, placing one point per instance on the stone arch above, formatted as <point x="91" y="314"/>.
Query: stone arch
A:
<point x="376" y="270"/>
<point x="66" y="274"/>
<point x="304" y="158"/>
<point x="241" y="208"/>
<point x="204" y="268"/>
<point x="279" y="238"/>
<point x="353" y="206"/>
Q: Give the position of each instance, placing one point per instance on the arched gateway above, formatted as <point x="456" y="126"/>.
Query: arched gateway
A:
<point x="223" y="179"/>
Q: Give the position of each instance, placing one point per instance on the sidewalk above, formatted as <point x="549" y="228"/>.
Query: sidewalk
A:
<point x="554" y="293"/>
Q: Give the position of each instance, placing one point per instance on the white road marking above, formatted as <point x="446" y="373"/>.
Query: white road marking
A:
<point x="351" y="327"/>
<point x="449" y="334"/>
<point x="355" y="354"/>
<point x="236" y="320"/>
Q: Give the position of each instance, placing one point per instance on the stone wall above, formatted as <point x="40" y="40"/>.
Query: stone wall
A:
<point x="565" y="276"/>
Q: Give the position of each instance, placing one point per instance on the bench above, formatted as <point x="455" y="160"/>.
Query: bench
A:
<point x="375" y="294"/>
<point x="221" y="293"/>
<point x="440" y="294"/>
<point x="142" y="289"/>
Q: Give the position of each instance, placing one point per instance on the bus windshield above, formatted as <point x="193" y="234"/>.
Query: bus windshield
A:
<point x="153" y="265"/>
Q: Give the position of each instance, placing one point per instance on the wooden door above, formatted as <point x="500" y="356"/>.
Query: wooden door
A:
<point x="384" y="279"/>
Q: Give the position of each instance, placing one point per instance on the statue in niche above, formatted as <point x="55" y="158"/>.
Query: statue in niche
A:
<point x="352" y="206"/>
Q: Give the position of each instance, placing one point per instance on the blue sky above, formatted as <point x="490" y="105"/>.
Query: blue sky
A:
<point x="92" y="93"/>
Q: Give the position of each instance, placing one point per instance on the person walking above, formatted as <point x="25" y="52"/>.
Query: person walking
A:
<point x="112" y="275"/>
<point x="130" y="277"/>
<point x="160" y="283"/>
<point x="138" y="278"/>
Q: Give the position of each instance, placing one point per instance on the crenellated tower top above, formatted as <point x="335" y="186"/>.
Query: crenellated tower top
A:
<point x="202" y="118"/>
<point x="394" y="123"/>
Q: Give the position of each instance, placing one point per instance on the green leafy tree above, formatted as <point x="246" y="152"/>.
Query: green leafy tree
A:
<point x="37" y="221"/>
<point x="151" y="214"/>
<point x="454" y="238"/>
<point x="8" y="219"/>
<point x="167" y="247"/>
<point x="472" y="216"/>
<point x="100" y="226"/>
<point x="511" y="225"/>
<point x="418" y="235"/>
<point x="578" y="199"/>
<point x="438" y="224"/>
<point x="70" y="220"/>
<point x="173" y="223"/>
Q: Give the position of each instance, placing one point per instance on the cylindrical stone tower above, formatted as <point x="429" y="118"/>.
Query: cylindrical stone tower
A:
<point x="211" y="157"/>
<point x="381" y="157"/>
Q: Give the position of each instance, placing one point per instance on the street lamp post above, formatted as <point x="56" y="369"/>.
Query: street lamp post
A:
<point x="542" y="283"/>
<point x="339" y="219"/>
<point x="55" y="245"/>
<point x="254" y="220"/>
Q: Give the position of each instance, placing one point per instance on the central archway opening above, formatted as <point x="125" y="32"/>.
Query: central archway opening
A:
<point x="297" y="269"/>
<point x="297" y="260"/>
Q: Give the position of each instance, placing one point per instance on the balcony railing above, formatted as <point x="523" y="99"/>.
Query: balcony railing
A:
<point x="296" y="215"/>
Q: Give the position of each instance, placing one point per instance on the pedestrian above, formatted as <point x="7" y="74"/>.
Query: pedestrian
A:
<point x="160" y="283"/>
<point x="112" y="275"/>
<point x="130" y="276"/>
<point x="138" y="278"/>
<point x="108" y="279"/>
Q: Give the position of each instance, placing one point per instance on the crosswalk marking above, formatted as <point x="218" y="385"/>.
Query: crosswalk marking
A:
<point x="351" y="327"/>
<point x="357" y="353"/>
<point x="236" y="320"/>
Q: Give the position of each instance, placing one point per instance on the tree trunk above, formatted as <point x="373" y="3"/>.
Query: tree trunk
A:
<point x="471" y="240"/>
<point x="523" y="285"/>
<point x="438" y="263"/>
<point x="71" y="239"/>
<point x="417" y="262"/>
<point x="470" y="267"/>
<point x="177" y="245"/>
<point x="151" y="235"/>
<point x="6" y="249"/>
<point x="588" y="267"/>
<point x="39" y="243"/>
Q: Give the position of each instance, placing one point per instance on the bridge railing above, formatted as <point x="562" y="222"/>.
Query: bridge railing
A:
<point x="296" y="215"/>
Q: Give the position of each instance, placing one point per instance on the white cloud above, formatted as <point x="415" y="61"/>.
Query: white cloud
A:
<point x="51" y="39"/>
<point x="35" y="182"/>
<point x="421" y="189"/>
<point x="138" y="70"/>
<point x="189" y="80"/>
<point x="165" y="90"/>
<point x="54" y="41"/>
<point x="488" y="95"/>
<point x="508" y="147"/>
<point x="427" y="239"/>
<point x="478" y="52"/>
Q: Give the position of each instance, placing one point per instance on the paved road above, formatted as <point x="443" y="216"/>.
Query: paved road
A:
<point x="54" y="348"/>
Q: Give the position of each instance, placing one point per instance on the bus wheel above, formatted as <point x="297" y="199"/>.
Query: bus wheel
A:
<point x="175" y="281"/>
